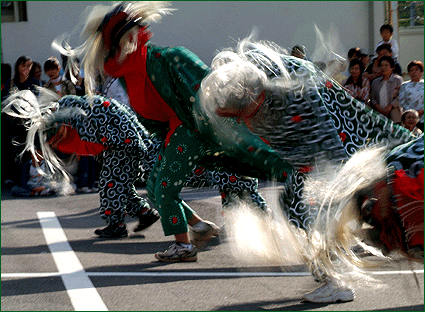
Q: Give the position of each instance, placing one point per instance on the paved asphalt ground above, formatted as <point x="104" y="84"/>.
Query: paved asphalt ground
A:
<point x="51" y="260"/>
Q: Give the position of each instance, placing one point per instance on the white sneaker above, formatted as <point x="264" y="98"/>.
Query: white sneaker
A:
<point x="177" y="253"/>
<point x="330" y="292"/>
<point x="202" y="233"/>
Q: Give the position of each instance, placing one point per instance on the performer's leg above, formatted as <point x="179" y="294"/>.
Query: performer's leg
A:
<point x="112" y="199"/>
<point x="234" y="187"/>
<point x="292" y="205"/>
<point x="118" y="195"/>
<point x="303" y="215"/>
<point x="174" y="165"/>
<point x="138" y="207"/>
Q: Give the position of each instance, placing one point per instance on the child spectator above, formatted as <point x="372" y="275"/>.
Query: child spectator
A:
<point x="57" y="83"/>
<point x="409" y="120"/>
<point x="36" y="72"/>
<point x="387" y="34"/>
<point x="33" y="180"/>
<point x="373" y="71"/>
<point x="412" y="92"/>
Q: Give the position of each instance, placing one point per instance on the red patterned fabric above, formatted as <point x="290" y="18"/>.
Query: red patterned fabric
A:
<point x="409" y="197"/>
<point x="72" y="143"/>
<point x="144" y="98"/>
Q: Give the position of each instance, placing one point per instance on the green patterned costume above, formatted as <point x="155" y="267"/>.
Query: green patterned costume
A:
<point x="309" y="123"/>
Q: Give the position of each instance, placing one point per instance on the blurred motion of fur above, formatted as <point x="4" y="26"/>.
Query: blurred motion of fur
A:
<point x="328" y="247"/>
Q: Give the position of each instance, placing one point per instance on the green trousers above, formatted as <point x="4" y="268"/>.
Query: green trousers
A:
<point x="174" y="165"/>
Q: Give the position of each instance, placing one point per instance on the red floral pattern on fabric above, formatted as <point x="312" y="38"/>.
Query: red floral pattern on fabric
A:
<point x="199" y="170"/>
<point x="296" y="119"/>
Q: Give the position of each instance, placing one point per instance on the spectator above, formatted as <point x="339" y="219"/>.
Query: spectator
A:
<point x="409" y="120"/>
<point x="352" y="54"/>
<point x="76" y="78"/>
<point x="357" y="85"/>
<point x="386" y="32"/>
<point x="16" y="130"/>
<point x="385" y="90"/>
<point x="21" y="79"/>
<point x="299" y="52"/>
<point x="36" y="72"/>
<point x="373" y="71"/>
<point x="365" y="58"/>
<point x="34" y="181"/>
<point x="57" y="83"/>
<point x="412" y="92"/>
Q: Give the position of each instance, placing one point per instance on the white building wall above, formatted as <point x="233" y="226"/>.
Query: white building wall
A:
<point x="411" y="42"/>
<point x="206" y="26"/>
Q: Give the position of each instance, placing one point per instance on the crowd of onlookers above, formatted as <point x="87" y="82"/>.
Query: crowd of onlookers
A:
<point x="24" y="173"/>
<point x="375" y="80"/>
<point x="378" y="81"/>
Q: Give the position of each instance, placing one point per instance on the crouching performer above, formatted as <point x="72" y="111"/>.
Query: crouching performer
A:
<point x="161" y="83"/>
<point x="90" y="127"/>
<point x="259" y="93"/>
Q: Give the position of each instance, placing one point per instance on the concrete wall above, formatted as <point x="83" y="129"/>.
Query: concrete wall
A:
<point x="411" y="42"/>
<point x="208" y="26"/>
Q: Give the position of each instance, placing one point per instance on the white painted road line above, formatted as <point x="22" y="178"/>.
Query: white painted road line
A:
<point x="83" y="294"/>
<point x="196" y="274"/>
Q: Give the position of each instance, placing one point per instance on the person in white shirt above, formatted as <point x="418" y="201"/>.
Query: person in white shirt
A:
<point x="412" y="92"/>
<point x="387" y="37"/>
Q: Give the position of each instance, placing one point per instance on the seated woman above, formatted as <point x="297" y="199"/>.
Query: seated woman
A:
<point x="409" y="120"/>
<point x="412" y="92"/>
<point x="357" y="85"/>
